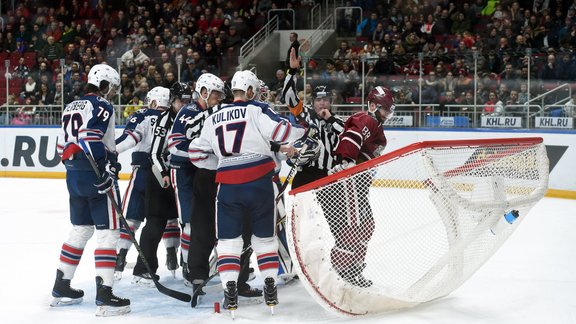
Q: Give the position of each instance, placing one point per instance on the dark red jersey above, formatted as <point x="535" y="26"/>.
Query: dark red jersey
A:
<point x="363" y="138"/>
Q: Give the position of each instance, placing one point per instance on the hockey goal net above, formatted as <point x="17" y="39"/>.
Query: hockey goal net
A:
<point x="414" y="224"/>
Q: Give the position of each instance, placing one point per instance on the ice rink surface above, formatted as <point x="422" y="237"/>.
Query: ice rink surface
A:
<point x="531" y="279"/>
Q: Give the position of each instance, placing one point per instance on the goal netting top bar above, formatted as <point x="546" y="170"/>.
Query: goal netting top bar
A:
<point x="414" y="224"/>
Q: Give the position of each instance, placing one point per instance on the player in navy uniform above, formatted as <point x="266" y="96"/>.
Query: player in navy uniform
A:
<point x="138" y="135"/>
<point x="350" y="220"/>
<point x="237" y="140"/>
<point x="91" y="119"/>
<point x="210" y="92"/>
<point x="162" y="202"/>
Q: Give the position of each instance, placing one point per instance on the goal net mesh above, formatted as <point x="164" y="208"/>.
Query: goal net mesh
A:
<point x="412" y="225"/>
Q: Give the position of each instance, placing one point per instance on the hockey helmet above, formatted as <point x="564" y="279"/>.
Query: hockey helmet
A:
<point x="381" y="99"/>
<point x="211" y="83"/>
<point x="182" y="91"/>
<point x="159" y="94"/>
<point x="243" y="80"/>
<point x="104" y="72"/>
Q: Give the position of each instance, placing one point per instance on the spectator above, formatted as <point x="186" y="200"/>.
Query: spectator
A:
<point x="513" y="105"/>
<point x="367" y="26"/>
<point x="191" y="73"/>
<point x="134" y="57"/>
<point x="29" y="88"/>
<point x="278" y="84"/>
<point x="343" y="52"/>
<point x="52" y="50"/>
<point x="133" y="105"/>
<point x="21" y="70"/>
<point x="550" y="71"/>
<point x="493" y="107"/>
<point x="294" y="44"/>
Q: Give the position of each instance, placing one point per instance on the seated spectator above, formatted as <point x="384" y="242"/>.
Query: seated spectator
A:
<point x="134" y="57"/>
<point x="343" y="52"/>
<point x="133" y="105"/>
<point x="52" y="50"/>
<point x="493" y="107"/>
<point x="21" y="70"/>
<point x="513" y="106"/>
<point x="29" y="88"/>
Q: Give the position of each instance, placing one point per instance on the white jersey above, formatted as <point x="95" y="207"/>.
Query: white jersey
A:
<point x="139" y="131"/>
<point x="239" y="136"/>
<point x="91" y="119"/>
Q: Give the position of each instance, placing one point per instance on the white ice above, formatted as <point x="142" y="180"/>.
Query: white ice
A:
<point x="531" y="279"/>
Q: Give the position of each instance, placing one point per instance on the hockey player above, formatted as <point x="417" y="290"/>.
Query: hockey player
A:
<point x="91" y="119"/>
<point x="138" y="134"/>
<point x="350" y="218"/>
<point x="162" y="203"/>
<point x="319" y="115"/>
<point x="239" y="136"/>
<point x="209" y="92"/>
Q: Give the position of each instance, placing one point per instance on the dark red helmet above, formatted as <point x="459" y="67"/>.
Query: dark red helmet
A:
<point x="383" y="99"/>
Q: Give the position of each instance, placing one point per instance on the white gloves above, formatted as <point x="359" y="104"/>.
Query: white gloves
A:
<point x="342" y="166"/>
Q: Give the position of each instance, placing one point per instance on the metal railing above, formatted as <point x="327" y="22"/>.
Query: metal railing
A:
<point x="247" y="51"/>
<point x="315" y="15"/>
<point x="543" y="96"/>
<point x="433" y="115"/>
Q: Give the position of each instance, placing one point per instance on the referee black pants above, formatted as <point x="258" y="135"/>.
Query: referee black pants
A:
<point x="160" y="207"/>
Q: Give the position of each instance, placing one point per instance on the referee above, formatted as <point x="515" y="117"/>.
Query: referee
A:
<point x="329" y="126"/>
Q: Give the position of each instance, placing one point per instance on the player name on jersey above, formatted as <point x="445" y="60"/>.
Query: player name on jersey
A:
<point x="229" y="114"/>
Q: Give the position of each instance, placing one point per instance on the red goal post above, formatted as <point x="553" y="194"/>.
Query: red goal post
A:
<point x="412" y="225"/>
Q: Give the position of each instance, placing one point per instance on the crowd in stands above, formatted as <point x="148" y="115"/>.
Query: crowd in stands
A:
<point x="395" y="39"/>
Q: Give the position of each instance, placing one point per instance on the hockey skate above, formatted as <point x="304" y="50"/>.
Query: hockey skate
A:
<point x="107" y="304"/>
<point x="249" y="292"/>
<point x="230" y="297"/>
<point x="63" y="294"/>
<point x="172" y="260"/>
<point x="354" y="276"/>
<point x="186" y="274"/>
<point x="145" y="280"/>
<point x="270" y="293"/>
<point x="120" y="264"/>
<point x="197" y="292"/>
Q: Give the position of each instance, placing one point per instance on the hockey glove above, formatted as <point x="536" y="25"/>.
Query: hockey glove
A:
<point x="108" y="176"/>
<point x="346" y="164"/>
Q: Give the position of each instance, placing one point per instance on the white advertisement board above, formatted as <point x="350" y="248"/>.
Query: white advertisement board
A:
<point x="554" y="122"/>
<point x="507" y="122"/>
<point x="31" y="152"/>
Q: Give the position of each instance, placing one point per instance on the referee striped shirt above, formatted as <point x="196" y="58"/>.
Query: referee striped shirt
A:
<point x="328" y="130"/>
<point x="159" y="150"/>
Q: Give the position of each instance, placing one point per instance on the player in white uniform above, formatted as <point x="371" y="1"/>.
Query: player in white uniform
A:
<point x="90" y="120"/>
<point x="239" y="136"/>
<point x="138" y="134"/>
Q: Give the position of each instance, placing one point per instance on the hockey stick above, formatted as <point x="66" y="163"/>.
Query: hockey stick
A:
<point x="163" y="289"/>
<point x="311" y="133"/>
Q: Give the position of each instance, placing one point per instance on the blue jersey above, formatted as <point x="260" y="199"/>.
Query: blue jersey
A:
<point x="177" y="141"/>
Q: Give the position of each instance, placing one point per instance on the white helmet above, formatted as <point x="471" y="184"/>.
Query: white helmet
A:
<point x="104" y="72"/>
<point x="211" y="83"/>
<point x="159" y="94"/>
<point x="242" y="80"/>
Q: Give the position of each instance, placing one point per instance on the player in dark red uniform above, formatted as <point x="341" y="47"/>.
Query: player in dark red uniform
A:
<point x="350" y="219"/>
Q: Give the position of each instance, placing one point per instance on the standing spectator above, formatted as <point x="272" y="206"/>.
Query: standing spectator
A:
<point x="294" y="44"/>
